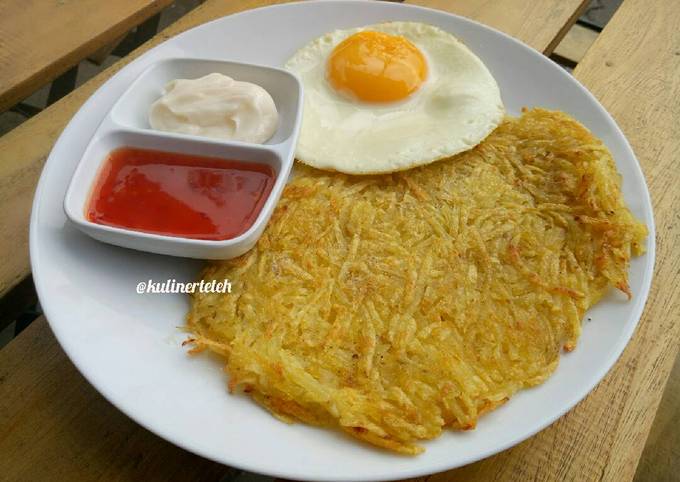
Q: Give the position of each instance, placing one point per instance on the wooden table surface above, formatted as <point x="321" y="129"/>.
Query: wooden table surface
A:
<point x="40" y="40"/>
<point x="54" y="426"/>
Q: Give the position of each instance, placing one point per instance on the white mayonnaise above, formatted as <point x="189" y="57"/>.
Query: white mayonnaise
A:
<point x="216" y="106"/>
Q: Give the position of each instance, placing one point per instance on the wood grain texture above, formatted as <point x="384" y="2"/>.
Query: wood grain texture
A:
<point x="635" y="73"/>
<point x="55" y="426"/>
<point x="42" y="39"/>
<point x="539" y="24"/>
<point x="660" y="461"/>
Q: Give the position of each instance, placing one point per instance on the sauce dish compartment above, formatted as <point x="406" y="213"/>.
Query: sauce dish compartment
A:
<point x="131" y="110"/>
<point x="279" y="158"/>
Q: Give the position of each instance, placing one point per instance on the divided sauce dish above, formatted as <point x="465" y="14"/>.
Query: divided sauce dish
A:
<point x="127" y="126"/>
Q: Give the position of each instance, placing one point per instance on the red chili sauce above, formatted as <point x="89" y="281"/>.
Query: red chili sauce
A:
<point x="178" y="194"/>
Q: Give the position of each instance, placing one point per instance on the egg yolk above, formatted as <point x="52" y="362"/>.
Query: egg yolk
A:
<point x="376" y="67"/>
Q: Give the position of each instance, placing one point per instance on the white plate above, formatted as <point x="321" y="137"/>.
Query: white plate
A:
<point x="127" y="345"/>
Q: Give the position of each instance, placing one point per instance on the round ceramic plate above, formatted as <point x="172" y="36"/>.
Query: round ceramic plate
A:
<point x="128" y="345"/>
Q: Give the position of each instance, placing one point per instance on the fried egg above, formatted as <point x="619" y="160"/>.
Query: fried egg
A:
<point x="391" y="96"/>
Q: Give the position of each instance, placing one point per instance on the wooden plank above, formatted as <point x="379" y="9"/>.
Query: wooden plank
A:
<point x="55" y="426"/>
<point x="575" y="44"/>
<point x="661" y="457"/>
<point x="40" y="40"/>
<point x="635" y="73"/>
<point x="539" y="24"/>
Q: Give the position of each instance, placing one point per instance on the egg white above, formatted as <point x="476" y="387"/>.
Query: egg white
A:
<point x="457" y="106"/>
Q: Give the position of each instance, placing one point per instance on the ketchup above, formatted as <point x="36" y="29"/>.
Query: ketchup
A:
<point x="178" y="194"/>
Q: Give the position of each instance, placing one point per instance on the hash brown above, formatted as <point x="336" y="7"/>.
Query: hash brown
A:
<point x="394" y="306"/>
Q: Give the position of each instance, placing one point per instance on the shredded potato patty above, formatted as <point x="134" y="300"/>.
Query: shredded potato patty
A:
<point x="394" y="306"/>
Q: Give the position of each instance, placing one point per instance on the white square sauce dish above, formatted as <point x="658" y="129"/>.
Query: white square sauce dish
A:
<point x="180" y="193"/>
